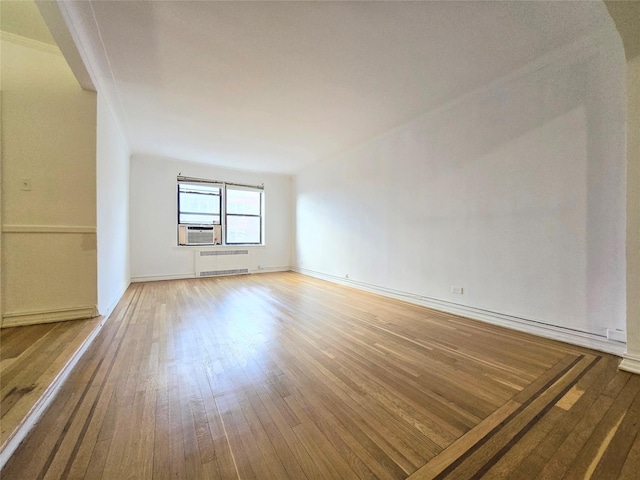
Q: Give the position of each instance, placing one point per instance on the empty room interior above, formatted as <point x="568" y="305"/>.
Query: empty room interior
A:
<point x="320" y="240"/>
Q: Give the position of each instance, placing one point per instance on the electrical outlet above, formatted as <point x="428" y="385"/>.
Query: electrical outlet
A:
<point x="456" y="289"/>
<point x="346" y="276"/>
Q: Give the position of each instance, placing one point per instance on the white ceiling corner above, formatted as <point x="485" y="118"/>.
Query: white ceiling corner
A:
<point x="276" y="86"/>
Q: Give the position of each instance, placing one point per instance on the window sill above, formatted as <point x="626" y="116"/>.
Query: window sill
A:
<point x="235" y="245"/>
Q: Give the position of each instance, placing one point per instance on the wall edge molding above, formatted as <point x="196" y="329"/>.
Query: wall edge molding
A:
<point x="29" y="43"/>
<point x="19" y="319"/>
<point x="48" y="229"/>
<point x="61" y="32"/>
<point x="575" y="51"/>
<point x="47" y="397"/>
<point x="630" y="363"/>
<point x="582" y="339"/>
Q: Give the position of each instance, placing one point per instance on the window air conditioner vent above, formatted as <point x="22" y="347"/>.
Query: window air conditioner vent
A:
<point x="199" y="234"/>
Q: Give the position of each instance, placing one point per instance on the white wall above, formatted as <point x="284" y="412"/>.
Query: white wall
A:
<point x="153" y="203"/>
<point x="112" y="172"/>
<point x="49" y="229"/>
<point x="514" y="192"/>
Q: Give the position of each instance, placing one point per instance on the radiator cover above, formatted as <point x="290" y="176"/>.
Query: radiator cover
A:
<point x="212" y="263"/>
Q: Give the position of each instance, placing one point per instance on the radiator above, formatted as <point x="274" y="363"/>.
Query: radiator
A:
<point x="212" y="263"/>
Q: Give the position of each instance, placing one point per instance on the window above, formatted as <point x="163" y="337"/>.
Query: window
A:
<point x="211" y="211"/>
<point x="199" y="204"/>
<point x="243" y="215"/>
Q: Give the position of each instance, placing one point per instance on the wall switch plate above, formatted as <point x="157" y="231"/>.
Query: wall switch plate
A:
<point x="456" y="289"/>
<point x="25" y="184"/>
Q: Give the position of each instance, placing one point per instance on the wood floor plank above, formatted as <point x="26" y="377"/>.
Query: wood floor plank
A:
<point x="363" y="456"/>
<point x="87" y="445"/>
<point x="273" y="405"/>
<point x="382" y="435"/>
<point x="37" y="457"/>
<point x="593" y="384"/>
<point x="614" y="456"/>
<point x="599" y="441"/>
<point x="35" y="357"/>
<point x="632" y="460"/>
<point x="283" y="376"/>
<point x="538" y="445"/>
<point x="483" y="456"/>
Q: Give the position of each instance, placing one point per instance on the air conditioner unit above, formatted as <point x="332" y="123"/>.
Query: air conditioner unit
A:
<point x="199" y="234"/>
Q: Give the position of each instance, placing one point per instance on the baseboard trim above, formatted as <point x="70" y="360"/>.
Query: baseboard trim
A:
<point x="158" y="278"/>
<point x="630" y="363"/>
<point x="47" y="397"/>
<point x="271" y="270"/>
<point x="47" y="316"/>
<point x="574" y="337"/>
<point x="183" y="276"/>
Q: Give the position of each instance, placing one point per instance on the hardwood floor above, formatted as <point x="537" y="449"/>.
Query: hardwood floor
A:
<point x="278" y="376"/>
<point x="31" y="360"/>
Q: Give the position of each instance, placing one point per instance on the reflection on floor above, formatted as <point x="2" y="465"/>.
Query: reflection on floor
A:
<point x="284" y="376"/>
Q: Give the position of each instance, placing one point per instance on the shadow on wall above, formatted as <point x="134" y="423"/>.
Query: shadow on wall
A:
<point x="515" y="192"/>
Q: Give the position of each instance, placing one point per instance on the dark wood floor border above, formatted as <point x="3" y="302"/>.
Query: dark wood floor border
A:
<point x="510" y="411"/>
<point x="43" y="472"/>
<point x="281" y="377"/>
<point x="47" y="381"/>
<point x="493" y="460"/>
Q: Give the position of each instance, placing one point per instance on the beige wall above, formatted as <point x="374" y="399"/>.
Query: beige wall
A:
<point x="632" y="358"/>
<point x="49" y="138"/>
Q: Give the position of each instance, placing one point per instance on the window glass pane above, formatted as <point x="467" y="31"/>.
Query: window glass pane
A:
<point x="199" y="203"/>
<point x="243" y="201"/>
<point x="200" y="219"/>
<point x="243" y="229"/>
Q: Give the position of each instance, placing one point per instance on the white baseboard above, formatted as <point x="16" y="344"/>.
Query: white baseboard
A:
<point x="630" y="363"/>
<point x="271" y="269"/>
<point x="47" y="397"/>
<point x="575" y="337"/>
<point x="157" y="278"/>
<point x="182" y="276"/>
<point x="47" y="316"/>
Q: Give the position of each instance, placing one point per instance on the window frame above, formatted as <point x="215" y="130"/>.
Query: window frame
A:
<point x="223" y="186"/>
<point x="260" y="215"/>
<point x="219" y="214"/>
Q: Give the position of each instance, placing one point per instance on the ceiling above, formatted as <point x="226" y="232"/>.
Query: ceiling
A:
<point x="276" y="86"/>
